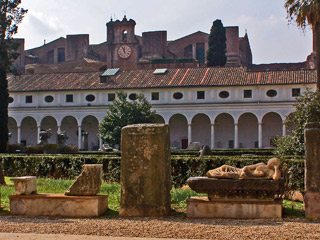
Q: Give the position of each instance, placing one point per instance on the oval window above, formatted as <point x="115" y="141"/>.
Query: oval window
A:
<point x="133" y="96"/>
<point x="177" y="95"/>
<point x="49" y="99"/>
<point x="272" y="93"/>
<point x="10" y="99"/>
<point x="224" y="94"/>
<point x="90" y="98"/>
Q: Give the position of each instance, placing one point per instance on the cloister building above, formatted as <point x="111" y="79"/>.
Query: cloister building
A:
<point x="229" y="107"/>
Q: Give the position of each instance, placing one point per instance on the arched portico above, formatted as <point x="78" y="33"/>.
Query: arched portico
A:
<point x="224" y="131"/>
<point x="90" y="125"/>
<point x="13" y="130"/>
<point x="248" y="131"/>
<point x="28" y="131"/>
<point x="159" y="119"/>
<point x="271" y="128"/>
<point x="178" y="125"/>
<point x="70" y="125"/>
<point x="200" y="129"/>
<point x="50" y="122"/>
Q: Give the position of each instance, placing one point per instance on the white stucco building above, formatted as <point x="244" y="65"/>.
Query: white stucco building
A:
<point x="218" y="107"/>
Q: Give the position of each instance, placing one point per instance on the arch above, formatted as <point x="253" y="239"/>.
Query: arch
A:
<point x="159" y="119"/>
<point x="178" y="125"/>
<point x="201" y="129"/>
<point x="248" y="130"/>
<point x="271" y="128"/>
<point x="90" y="124"/>
<point x="13" y="129"/>
<point x="29" y="131"/>
<point x="69" y="125"/>
<point x="224" y="131"/>
<point x="50" y="122"/>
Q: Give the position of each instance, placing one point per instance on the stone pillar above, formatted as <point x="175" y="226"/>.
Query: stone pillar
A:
<point x="260" y="135"/>
<point x="79" y="137"/>
<point x="284" y="129"/>
<point x="212" y="136"/>
<point x="38" y="134"/>
<point x="59" y="129"/>
<point x="312" y="171"/>
<point x="100" y="143"/>
<point x="19" y="134"/>
<point x="189" y="134"/>
<point x="236" y="135"/>
<point x="145" y="171"/>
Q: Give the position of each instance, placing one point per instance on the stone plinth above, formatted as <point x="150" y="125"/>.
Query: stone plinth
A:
<point x="204" y="208"/>
<point x="145" y="171"/>
<point x="312" y="171"/>
<point x="231" y="198"/>
<point x="88" y="183"/>
<point x="58" y="205"/>
<point x="25" y="185"/>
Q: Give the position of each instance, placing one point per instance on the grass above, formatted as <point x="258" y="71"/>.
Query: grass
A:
<point x="178" y="197"/>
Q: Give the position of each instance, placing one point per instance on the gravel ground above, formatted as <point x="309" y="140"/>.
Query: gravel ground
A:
<point x="171" y="227"/>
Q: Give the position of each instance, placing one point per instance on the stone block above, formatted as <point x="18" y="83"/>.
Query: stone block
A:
<point x="145" y="171"/>
<point x="58" y="205"/>
<point x="194" y="146"/>
<point x="201" y="207"/>
<point x="25" y="185"/>
<point x="312" y="206"/>
<point x="88" y="183"/>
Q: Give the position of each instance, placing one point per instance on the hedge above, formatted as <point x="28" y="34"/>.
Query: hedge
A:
<point x="183" y="167"/>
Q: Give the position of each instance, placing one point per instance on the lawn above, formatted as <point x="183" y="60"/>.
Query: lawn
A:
<point x="178" y="197"/>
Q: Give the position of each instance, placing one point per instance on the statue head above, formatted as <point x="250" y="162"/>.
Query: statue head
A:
<point x="273" y="162"/>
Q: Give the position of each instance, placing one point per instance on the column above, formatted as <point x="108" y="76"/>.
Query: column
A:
<point x="212" y="136"/>
<point x="284" y="129"/>
<point x="100" y="143"/>
<point x="79" y="137"/>
<point x="189" y="134"/>
<point x="59" y="129"/>
<point x="19" y="134"/>
<point x="260" y="135"/>
<point x="236" y="135"/>
<point x="38" y="134"/>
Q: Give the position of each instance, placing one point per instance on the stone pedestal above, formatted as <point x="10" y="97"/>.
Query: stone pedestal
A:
<point x="312" y="172"/>
<point x="58" y="205"/>
<point x="230" y="198"/>
<point x="145" y="171"/>
<point x="25" y="185"/>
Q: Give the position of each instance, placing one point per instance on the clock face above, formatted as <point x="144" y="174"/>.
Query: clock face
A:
<point x="124" y="51"/>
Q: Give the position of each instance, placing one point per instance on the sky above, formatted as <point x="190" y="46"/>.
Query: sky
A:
<point x="272" y="38"/>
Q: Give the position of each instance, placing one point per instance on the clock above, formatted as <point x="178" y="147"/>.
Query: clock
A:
<point x="124" y="51"/>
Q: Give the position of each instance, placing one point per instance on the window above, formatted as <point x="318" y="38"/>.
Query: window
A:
<point x="28" y="99"/>
<point x="48" y="99"/>
<point x="188" y="52"/>
<point x="224" y="94"/>
<point x="124" y="35"/>
<point x="10" y="99"/>
<point x="200" y="94"/>
<point x="247" y="93"/>
<point x="90" y="98"/>
<point x="295" y="92"/>
<point x="272" y="93"/>
<point x="155" y="96"/>
<point x="69" y="98"/>
<point x="111" y="97"/>
<point x="177" y="95"/>
<point x="133" y="96"/>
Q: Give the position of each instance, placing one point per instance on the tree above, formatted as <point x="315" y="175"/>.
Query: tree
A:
<point x="10" y="16"/>
<point x="307" y="12"/>
<point x="123" y="113"/>
<point x="307" y="110"/>
<point x="216" y="54"/>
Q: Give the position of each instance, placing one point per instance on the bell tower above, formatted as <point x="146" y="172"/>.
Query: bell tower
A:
<point x="122" y="44"/>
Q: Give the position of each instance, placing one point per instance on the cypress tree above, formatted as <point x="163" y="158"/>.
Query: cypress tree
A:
<point x="216" y="54"/>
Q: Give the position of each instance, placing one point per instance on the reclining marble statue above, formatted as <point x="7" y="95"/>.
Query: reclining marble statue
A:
<point x="256" y="171"/>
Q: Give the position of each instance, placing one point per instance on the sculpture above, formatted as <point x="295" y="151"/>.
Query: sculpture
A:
<point x="62" y="138"/>
<point x="256" y="171"/>
<point x="45" y="135"/>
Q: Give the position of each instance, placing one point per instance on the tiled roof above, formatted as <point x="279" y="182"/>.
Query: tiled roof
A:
<point x="183" y="77"/>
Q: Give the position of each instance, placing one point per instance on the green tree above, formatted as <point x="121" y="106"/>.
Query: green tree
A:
<point x="10" y="16"/>
<point x="123" y="113"/>
<point x="307" y="12"/>
<point x="307" y="110"/>
<point x="216" y="54"/>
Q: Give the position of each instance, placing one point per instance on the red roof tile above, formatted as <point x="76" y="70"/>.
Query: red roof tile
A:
<point x="202" y="77"/>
